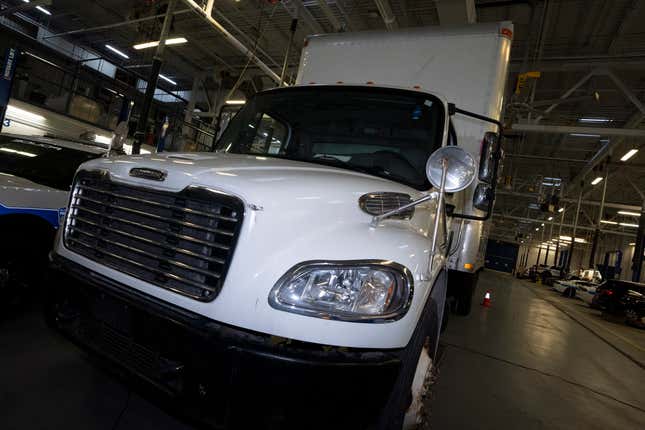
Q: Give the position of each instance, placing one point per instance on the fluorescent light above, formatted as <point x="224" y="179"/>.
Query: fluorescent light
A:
<point x="596" y="181"/>
<point x="15" y="151"/>
<point x="604" y="221"/>
<point x="537" y="229"/>
<point x="552" y="179"/>
<point x="102" y="139"/>
<point x="628" y="213"/>
<point x="594" y="120"/>
<point x="171" y="41"/>
<point x="561" y="210"/>
<point x="116" y="51"/>
<point x="629" y="154"/>
<point x="167" y="79"/>
<point x="542" y="224"/>
<point x="632" y="244"/>
<point x="18" y="113"/>
<point x="43" y="10"/>
<point x="583" y="135"/>
<point x="566" y="238"/>
<point x="626" y="224"/>
<point x="235" y="102"/>
<point x="580" y="240"/>
<point x="547" y="184"/>
<point x="550" y="218"/>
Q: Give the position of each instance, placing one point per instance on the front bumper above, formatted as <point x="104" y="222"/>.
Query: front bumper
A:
<point x="217" y="373"/>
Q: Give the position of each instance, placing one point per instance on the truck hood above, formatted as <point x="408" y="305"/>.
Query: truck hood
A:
<point x="263" y="183"/>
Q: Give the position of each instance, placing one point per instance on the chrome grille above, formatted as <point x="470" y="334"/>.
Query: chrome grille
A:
<point x="382" y="202"/>
<point x="182" y="241"/>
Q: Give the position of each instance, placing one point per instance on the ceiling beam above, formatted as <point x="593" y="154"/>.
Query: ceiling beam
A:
<point x="385" y="9"/>
<point x="233" y="40"/>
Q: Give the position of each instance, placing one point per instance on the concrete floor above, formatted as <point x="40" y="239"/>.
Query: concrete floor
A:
<point x="523" y="363"/>
<point x="520" y="364"/>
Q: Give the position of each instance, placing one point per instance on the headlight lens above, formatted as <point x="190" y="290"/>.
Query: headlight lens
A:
<point x="369" y="291"/>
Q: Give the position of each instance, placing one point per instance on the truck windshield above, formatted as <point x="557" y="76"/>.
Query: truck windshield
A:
<point x="383" y="132"/>
<point x="42" y="163"/>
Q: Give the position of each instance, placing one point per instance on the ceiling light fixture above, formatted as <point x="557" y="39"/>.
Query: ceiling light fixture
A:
<point x="629" y="154"/>
<point x="116" y="51"/>
<point x="632" y="244"/>
<point x="167" y="79"/>
<point x="595" y="120"/>
<point x="627" y="224"/>
<point x="550" y="218"/>
<point x="583" y="135"/>
<point x="628" y="213"/>
<point x="171" y="41"/>
<point x="235" y="102"/>
<point x="561" y="210"/>
<point x="604" y="221"/>
<point x="597" y="180"/>
<point x="39" y="8"/>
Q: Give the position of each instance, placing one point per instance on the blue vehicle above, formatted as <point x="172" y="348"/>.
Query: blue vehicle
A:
<point x="35" y="177"/>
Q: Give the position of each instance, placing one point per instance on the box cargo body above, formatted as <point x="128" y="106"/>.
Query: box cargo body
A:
<point x="466" y="65"/>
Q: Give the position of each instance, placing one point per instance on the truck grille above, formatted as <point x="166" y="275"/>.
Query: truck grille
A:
<point x="182" y="242"/>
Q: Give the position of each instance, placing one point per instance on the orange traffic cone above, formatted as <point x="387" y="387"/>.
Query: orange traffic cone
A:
<point x="486" y="302"/>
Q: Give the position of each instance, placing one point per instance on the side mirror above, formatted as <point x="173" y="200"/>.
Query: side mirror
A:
<point x="489" y="157"/>
<point x="460" y="169"/>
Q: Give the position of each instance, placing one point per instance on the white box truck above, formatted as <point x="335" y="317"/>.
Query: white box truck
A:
<point x="297" y="275"/>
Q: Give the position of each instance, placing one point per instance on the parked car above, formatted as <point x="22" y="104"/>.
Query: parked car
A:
<point x="548" y="275"/>
<point x="634" y="305"/>
<point x="582" y="284"/>
<point x="36" y="174"/>
<point x="622" y="298"/>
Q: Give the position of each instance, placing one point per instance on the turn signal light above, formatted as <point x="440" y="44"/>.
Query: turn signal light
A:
<point x="468" y="266"/>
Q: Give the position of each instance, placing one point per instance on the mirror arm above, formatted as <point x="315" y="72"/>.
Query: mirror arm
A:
<point x="452" y="110"/>
<point x="378" y="218"/>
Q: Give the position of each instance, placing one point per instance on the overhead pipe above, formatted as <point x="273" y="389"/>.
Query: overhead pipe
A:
<point x="233" y="40"/>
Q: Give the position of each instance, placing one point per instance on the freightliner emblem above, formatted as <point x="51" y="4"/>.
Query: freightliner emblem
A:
<point x="150" y="174"/>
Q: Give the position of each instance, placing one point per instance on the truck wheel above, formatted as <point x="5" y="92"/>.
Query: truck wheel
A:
<point x="464" y="292"/>
<point x="405" y="407"/>
<point x="23" y="263"/>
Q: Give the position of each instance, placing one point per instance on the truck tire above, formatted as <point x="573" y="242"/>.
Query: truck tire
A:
<point x="405" y="406"/>
<point x="23" y="263"/>
<point x="463" y="289"/>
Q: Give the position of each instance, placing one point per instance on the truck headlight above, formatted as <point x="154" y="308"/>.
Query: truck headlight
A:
<point x="361" y="291"/>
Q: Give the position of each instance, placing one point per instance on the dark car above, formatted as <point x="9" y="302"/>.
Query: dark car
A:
<point x="622" y="298"/>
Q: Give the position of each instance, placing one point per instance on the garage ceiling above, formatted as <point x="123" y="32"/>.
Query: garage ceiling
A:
<point x="589" y="52"/>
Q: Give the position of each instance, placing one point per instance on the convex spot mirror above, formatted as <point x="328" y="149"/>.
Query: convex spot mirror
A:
<point x="489" y="157"/>
<point x="461" y="168"/>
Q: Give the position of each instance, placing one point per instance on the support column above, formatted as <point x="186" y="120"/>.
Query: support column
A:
<point x="575" y="226"/>
<point x="596" y="234"/>
<point x="639" y="248"/>
<point x="294" y="26"/>
<point x="557" y="241"/>
<point x="537" y="261"/>
<point x="151" y="87"/>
